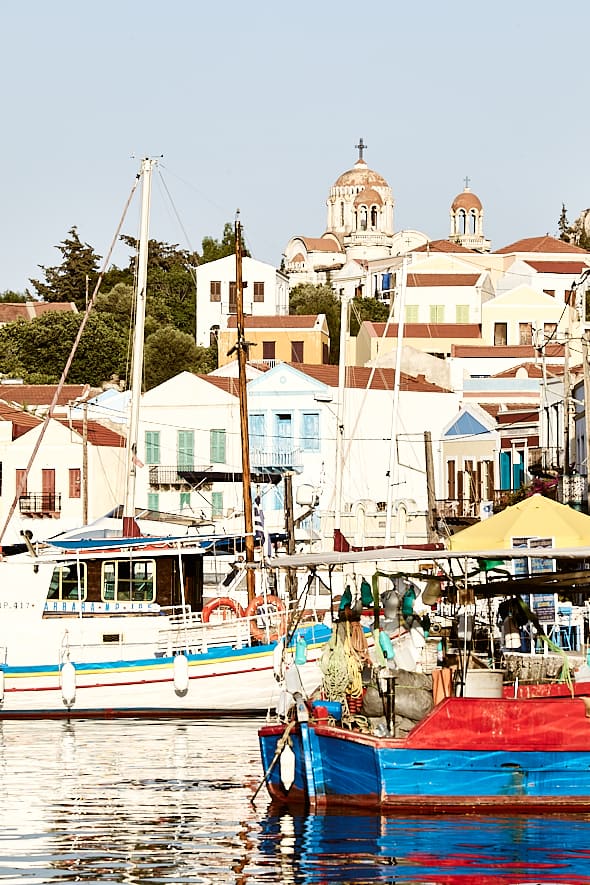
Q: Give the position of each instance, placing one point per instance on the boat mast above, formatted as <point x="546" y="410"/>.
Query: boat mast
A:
<point x="242" y="351"/>
<point x="338" y="539"/>
<point x="130" y="527"/>
<point x="393" y="472"/>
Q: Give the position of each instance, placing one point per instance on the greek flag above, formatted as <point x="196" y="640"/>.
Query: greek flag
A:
<point x="259" y="533"/>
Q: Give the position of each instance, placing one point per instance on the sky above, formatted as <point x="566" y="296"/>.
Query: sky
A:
<point x="258" y="106"/>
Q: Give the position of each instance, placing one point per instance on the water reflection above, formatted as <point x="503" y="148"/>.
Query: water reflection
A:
<point x="169" y="802"/>
<point x="462" y="850"/>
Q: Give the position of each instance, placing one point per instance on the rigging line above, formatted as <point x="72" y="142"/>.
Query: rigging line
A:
<point x="70" y="359"/>
<point x="180" y="224"/>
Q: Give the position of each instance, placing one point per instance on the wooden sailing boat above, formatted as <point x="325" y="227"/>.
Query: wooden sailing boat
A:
<point x="118" y="626"/>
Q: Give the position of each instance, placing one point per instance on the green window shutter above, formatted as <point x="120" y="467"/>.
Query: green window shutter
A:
<point x="411" y="313"/>
<point x="152" y="446"/>
<point x="185" y="454"/>
<point x="437" y="313"/>
<point x="462" y="313"/>
<point x="153" y="501"/>
<point x="217" y="446"/>
<point x="185" y="500"/>
<point x="216" y="504"/>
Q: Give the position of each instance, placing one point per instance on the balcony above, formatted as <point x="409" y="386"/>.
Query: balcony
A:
<point x="275" y="459"/>
<point x="40" y="505"/>
<point x="545" y="461"/>
<point x="170" y="477"/>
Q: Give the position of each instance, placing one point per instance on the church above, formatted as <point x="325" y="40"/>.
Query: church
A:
<point x="360" y="230"/>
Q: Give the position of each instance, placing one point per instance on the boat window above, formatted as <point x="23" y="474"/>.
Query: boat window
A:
<point x="65" y="583"/>
<point x="126" y="580"/>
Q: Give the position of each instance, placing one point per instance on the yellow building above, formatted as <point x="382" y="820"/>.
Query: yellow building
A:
<point x="276" y="339"/>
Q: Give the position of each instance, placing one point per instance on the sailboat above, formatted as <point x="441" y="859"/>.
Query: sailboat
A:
<point x="119" y="626"/>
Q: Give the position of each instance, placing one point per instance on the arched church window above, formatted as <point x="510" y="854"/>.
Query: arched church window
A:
<point x="342" y="213"/>
<point x="461" y="221"/>
<point x="472" y="222"/>
<point x="355" y="218"/>
<point x="364" y="216"/>
<point x="213" y="336"/>
<point x="373" y="217"/>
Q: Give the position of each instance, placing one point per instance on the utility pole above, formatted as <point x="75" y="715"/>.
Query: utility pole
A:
<point x="431" y="524"/>
<point x="85" y="465"/>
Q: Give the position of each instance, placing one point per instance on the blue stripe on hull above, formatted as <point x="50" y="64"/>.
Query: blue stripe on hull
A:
<point x="353" y="773"/>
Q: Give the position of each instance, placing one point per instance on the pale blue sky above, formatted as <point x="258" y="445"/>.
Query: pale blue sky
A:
<point x="259" y="105"/>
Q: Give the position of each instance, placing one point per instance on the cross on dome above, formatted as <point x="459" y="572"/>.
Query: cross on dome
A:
<point x="361" y="146"/>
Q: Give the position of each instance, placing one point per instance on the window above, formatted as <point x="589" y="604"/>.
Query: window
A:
<point x="525" y="333"/>
<point x="259" y="291"/>
<point x="185" y="501"/>
<point x="373" y="217"/>
<point x="67" y="582"/>
<point x="500" y="334"/>
<point x="268" y="350"/>
<point x="217" y="446"/>
<point x="216" y="505"/>
<point x="213" y="336"/>
<point x="550" y="330"/>
<point x="153" y="501"/>
<point x="411" y="313"/>
<point x="152" y="446"/>
<point x="215" y="291"/>
<point x="296" y="351"/>
<point x="462" y="313"/>
<point x="256" y="430"/>
<point x="310" y="432"/>
<point x="437" y="313"/>
<point x="21" y="482"/>
<point x="128" y="580"/>
<point x="75" y="482"/>
<point x="185" y="449"/>
<point x="232" y="297"/>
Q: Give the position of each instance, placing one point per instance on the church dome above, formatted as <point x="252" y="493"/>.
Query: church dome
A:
<point x="368" y="197"/>
<point x="360" y="176"/>
<point x="466" y="200"/>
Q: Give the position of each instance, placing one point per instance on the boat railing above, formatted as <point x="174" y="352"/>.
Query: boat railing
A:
<point x="187" y="631"/>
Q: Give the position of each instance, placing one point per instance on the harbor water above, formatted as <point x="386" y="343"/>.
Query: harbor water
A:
<point x="126" y="801"/>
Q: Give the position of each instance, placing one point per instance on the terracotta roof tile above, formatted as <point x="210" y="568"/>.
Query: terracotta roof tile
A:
<point x="442" y="246"/>
<point x="471" y="351"/>
<point x="320" y="244"/>
<point x="21" y="421"/>
<point x="30" y="310"/>
<point x="42" y="394"/>
<point x="426" y="330"/>
<point x="541" y="244"/>
<point x="98" y="434"/>
<point x="568" y="267"/>
<point x="358" y="377"/>
<point x="291" y="321"/>
<point x="442" y="279"/>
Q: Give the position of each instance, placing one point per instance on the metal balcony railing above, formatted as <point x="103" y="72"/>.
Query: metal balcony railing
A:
<point x="545" y="460"/>
<point x="282" y="459"/>
<point x="39" y="505"/>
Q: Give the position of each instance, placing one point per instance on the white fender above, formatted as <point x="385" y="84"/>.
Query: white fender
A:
<point x="287" y="767"/>
<point x="181" y="677"/>
<point x="68" y="683"/>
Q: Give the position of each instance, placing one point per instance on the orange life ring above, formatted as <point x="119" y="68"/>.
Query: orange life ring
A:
<point x="221" y="602"/>
<point x="277" y="619"/>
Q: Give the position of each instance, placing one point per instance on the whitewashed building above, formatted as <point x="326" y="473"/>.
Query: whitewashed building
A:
<point x="266" y="292"/>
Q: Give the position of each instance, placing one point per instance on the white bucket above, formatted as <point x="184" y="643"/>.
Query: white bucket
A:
<point x="483" y="684"/>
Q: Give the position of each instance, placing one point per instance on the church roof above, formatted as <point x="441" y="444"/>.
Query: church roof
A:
<point x="360" y="176"/>
<point x="320" y="244"/>
<point x="368" y="197"/>
<point x="359" y="376"/>
<point x="466" y="200"/>
<point x="541" y="244"/>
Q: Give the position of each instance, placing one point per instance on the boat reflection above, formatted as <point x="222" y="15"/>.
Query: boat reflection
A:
<point x="460" y="850"/>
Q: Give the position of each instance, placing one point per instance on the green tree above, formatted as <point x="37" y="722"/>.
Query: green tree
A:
<point x="11" y="297"/>
<point x="169" y="351"/>
<point x="171" y="283"/>
<point x="38" y="350"/>
<point x="214" y="249"/>
<point x="74" y="277"/>
<point x="306" y="299"/>
<point x="370" y="309"/>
